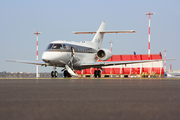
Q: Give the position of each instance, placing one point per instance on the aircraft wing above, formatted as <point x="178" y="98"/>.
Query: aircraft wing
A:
<point x="28" y="62"/>
<point x="101" y="64"/>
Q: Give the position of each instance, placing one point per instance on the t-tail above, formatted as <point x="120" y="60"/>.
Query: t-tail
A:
<point x="98" y="38"/>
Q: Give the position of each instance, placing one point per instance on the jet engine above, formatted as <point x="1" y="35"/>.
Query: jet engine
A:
<point x="104" y="54"/>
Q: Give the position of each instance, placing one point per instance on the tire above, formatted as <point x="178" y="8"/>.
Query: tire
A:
<point x="65" y="73"/>
<point x="99" y="73"/>
<point x="55" y="73"/>
<point x="69" y="75"/>
<point x="95" y="73"/>
<point x="52" y="74"/>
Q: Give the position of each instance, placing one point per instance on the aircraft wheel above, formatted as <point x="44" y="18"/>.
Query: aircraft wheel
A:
<point x="95" y="73"/>
<point x="69" y="75"/>
<point x="55" y="74"/>
<point x="99" y="73"/>
<point x="65" y="73"/>
<point x="52" y="74"/>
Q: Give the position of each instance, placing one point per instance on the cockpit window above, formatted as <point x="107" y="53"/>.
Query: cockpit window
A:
<point x="49" y="46"/>
<point x="57" y="46"/>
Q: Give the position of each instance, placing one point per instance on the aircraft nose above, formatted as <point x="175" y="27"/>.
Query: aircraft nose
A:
<point x="45" y="57"/>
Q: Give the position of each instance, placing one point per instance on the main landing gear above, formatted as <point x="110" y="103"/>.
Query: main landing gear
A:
<point x="97" y="73"/>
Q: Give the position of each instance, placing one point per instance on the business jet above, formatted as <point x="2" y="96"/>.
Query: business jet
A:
<point x="73" y="56"/>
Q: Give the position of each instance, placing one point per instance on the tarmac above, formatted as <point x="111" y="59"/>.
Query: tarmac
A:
<point x="90" y="99"/>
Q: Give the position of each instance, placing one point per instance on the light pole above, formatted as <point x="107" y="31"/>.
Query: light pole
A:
<point x="165" y="60"/>
<point x="37" y="52"/>
<point x="111" y="57"/>
<point x="149" y="33"/>
<point x="111" y="44"/>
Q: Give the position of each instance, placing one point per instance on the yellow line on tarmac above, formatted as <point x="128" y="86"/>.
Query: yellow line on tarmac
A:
<point x="96" y="78"/>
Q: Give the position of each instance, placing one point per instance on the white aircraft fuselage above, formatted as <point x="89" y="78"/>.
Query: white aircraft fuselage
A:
<point x="58" y="53"/>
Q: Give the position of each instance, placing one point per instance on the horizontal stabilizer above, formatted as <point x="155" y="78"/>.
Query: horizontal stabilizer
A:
<point x="129" y="31"/>
<point x="84" y="32"/>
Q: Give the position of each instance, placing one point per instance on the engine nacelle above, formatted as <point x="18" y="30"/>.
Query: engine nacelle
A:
<point x="104" y="54"/>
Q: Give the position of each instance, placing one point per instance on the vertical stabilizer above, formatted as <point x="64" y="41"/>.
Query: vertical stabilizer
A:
<point x="98" y="38"/>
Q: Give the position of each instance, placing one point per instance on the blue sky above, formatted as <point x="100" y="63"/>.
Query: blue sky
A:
<point x="56" y="19"/>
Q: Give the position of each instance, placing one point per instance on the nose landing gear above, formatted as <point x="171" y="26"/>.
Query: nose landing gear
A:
<point x="54" y="73"/>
